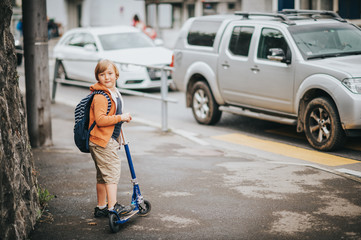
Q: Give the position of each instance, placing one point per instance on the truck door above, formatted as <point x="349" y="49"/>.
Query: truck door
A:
<point x="233" y="64"/>
<point x="271" y="81"/>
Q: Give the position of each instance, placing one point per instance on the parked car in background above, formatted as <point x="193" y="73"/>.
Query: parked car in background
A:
<point x="294" y="67"/>
<point x="80" y="49"/>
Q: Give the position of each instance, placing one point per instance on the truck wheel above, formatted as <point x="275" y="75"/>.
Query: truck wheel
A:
<point x="204" y="107"/>
<point x="322" y="125"/>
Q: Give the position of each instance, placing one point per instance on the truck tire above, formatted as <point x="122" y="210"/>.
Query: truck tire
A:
<point x="323" y="126"/>
<point x="204" y="107"/>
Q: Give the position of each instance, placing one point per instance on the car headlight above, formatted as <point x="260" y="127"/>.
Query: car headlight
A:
<point x="353" y="84"/>
<point x="154" y="73"/>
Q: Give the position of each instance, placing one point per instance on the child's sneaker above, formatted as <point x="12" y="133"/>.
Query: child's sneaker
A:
<point x="120" y="209"/>
<point x="101" y="212"/>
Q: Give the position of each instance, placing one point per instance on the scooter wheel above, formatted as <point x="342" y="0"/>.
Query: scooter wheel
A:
<point x="144" y="208"/>
<point x="114" y="227"/>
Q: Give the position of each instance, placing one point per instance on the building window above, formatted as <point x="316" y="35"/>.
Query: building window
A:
<point x="209" y="9"/>
<point x="231" y="6"/>
<point x="190" y="8"/>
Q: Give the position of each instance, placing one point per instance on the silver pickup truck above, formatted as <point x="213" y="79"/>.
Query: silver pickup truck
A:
<point x="294" y="67"/>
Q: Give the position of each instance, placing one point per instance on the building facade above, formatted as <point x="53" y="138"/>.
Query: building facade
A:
<point x="168" y="16"/>
<point x="84" y="13"/>
<point x="182" y="10"/>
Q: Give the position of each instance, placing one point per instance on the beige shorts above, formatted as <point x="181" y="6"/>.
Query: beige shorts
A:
<point x="107" y="162"/>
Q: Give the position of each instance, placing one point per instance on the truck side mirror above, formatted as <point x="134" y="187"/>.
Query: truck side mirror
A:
<point x="277" y="54"/>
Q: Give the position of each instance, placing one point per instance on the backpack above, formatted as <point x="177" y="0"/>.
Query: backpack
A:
<point x="81" y="113"/>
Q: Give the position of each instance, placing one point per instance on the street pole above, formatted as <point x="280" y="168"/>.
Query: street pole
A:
<point x="35" y="30"/>
<point x="164" y="94"/>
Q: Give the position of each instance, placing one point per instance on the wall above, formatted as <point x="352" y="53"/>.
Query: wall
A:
<point x="95" y="12"/>
<point x="114" y="12"/>
<point x="257" y="6"/>
<point x="56" y="9"/>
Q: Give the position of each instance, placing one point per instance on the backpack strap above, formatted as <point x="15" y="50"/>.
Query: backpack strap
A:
<point x="107" y="97"/>
<point x="109" y="105"/>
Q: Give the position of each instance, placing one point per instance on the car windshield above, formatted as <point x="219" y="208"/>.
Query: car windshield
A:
<point x="331" y="40"/>
<point x="116" y="41"/>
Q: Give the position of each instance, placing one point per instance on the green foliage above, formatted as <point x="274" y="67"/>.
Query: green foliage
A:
<point x="44" y="197"/>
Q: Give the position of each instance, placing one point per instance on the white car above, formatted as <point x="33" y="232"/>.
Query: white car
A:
<point x="80" y="49"/>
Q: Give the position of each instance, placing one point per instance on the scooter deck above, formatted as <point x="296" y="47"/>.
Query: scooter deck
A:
<point x="129" y="215"/>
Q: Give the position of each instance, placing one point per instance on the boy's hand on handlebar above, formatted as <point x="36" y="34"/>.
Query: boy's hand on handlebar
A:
<point x="126" y="117"/>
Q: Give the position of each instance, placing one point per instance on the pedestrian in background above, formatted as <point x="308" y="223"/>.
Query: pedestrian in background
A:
<point x="19" y="27"/>
<point x="137" y="23"/>
<point x="148" y="30"/>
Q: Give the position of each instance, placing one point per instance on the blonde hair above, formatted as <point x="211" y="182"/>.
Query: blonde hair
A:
<point x="103" y="65"/>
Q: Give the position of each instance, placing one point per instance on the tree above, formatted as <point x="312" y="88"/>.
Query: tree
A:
<point x="18" y="191"/>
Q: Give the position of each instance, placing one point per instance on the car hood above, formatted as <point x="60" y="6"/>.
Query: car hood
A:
<point x="143" y="56"/>
<point x="348" y="64"/>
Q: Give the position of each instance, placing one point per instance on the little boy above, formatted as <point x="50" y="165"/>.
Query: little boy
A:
<point x="103" y="143"/>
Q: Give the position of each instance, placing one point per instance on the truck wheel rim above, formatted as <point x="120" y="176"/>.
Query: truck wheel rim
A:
<point x="200" y="104"/>
<point x="320" y="125"/>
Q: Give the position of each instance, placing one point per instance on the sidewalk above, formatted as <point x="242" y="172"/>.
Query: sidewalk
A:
<point x="196" y="192"/>
<point x="69" y="175"/>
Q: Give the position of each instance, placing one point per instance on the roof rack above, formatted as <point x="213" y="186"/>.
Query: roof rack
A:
<point x="283" y="17"/>
<point x="312" y="13"/>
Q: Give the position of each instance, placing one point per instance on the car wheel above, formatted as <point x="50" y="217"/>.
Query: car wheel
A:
<point x="19" y="56"/>
<point x="172" y="87"/>
<point x="61" y="74"/>
<point x="322" y="125"/>
<point x="204" y="107"/>
<point x="19" y="59"/>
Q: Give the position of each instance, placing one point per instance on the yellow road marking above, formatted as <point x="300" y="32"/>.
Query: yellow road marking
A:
<point x="352" y="144"/>
<point x="286" y="150"/>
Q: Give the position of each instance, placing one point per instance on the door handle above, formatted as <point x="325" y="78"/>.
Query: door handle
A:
<point x="225" y="65"/>
<point x="255" y="69"/>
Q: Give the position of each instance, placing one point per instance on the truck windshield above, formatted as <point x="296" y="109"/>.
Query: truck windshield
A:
<point x="327" y="40"/>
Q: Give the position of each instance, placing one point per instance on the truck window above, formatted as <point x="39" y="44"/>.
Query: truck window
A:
<point x="240" y="40"/>
<point x="271" y="38"/>
<point x="203" y="33"/>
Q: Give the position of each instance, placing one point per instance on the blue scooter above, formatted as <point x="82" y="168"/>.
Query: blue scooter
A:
<point x="141" y="207"/>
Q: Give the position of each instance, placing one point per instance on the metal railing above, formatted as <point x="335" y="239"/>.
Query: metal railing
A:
<point x="164" y="87"/>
